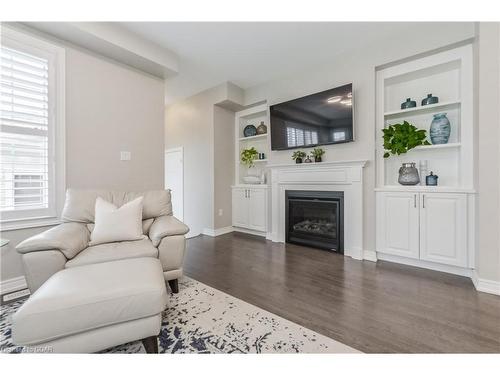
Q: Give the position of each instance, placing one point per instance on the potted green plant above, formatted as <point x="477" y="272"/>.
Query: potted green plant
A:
<point x="318" y="153"/>
<point x="248" y="155"/>
<point x="298" y="156"/>
<point x="400" y="138"/>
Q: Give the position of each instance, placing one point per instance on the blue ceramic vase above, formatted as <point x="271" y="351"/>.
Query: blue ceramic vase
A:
<point x="440" y="129"/>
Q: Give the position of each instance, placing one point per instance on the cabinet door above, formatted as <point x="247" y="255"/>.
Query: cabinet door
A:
<point x="258" y="212"/>
<point x="397" y="224"/>
<point x="240" y="208"/>
<point x="443" y="228"/>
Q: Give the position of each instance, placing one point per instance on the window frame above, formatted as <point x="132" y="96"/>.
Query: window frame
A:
<point x="26" y="42"/>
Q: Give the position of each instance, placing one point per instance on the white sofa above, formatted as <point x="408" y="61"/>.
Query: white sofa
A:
<point x="67" y="245"/>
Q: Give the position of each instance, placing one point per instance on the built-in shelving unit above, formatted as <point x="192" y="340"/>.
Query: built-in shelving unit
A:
<point x="428" y="226"/>
<point x="251" y="116"/>
<point x="445" y="75"/>
<point x="249" y="201"/>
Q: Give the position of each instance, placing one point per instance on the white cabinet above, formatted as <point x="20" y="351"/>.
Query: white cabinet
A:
<point x="250" y="208"/>
<point x="398" y="224"/>
<point x="425" y="226"/>
<point x="443" y="228"/>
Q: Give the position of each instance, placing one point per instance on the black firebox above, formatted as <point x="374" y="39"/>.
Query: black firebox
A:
<point x="315" y="219"/>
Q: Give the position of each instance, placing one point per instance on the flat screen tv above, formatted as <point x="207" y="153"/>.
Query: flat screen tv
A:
<point x="319" y="119"/>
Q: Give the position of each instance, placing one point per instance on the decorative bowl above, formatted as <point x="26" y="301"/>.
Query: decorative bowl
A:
<point x="249" y="131"/>
<point x="254" y="180"/>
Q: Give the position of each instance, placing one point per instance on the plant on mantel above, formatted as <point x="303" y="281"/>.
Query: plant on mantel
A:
<point x="248" y="155"/>
<point x="317" y="153"/>
<point x="298" y="156"/>
<point x="400" y="138"/>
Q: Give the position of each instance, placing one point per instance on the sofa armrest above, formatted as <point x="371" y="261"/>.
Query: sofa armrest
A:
<point x="164" y="226"/>
<point x="69" y="238"/>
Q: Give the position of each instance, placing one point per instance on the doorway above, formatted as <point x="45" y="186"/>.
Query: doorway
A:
<point x="174" y="179"/>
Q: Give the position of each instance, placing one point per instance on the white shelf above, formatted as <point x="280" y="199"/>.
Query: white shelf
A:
<point x="436" y="147"/>
<point x="257" y="161"/>
<point x="259" y="136"/>
<point x="424" y="108"/>
<point x="425" y="189"/>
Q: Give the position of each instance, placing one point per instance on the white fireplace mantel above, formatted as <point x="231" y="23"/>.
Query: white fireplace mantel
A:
<point x="345" y="176"/>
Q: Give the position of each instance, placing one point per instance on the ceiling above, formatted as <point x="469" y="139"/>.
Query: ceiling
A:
<point x="252" y="53"/>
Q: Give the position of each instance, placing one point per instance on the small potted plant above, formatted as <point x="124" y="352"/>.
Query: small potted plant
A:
<point x="248" y="156"/>
<point x="318" y="153"/>
<point x="400" y="138"/>
<point x="298" y="156"/>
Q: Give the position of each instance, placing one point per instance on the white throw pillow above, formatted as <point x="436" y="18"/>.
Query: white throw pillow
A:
<point x="113" y="224"/>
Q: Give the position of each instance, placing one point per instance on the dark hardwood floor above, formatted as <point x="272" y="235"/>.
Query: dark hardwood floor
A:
<point x="374" y="307"/>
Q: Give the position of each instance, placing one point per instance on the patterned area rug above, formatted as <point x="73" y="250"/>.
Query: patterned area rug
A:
<point x="201" y="319"/>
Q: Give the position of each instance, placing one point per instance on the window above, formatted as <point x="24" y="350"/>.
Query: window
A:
<point x="31" y="128"/>
<point x="338" y="136"/>
<point x="299" y="137"/>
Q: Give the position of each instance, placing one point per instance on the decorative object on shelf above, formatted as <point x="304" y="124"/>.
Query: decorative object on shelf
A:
<point x="431" y="180"/>
<point x="308" y="159"/>
<point x="250" y="179"/>
<point x="430" y="100"/>
<point x="262" y="156"/>
<point x="298" y="156"/>
<point x="400" y="138"/>
<point x="408" y="104"/>
<point x="408" y="174"/>
<point x="248" y="156"/>
<point x="422" y="169"/>
<point x="318" y="152"/>
<point x="262" y="129"/>
<point x="440" y="129"/>
<point x="249" y="131"/>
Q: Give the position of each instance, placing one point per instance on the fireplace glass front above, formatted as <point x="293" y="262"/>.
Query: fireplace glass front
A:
<point x="315" y="218"/>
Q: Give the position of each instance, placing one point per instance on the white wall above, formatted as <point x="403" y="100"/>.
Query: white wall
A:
<point x="109" y="108"/>
<point x="358" y="67"/>
<point x="189" y="123"/>
<point x="205" y="130"/>
<point x="488" y="102"/>
<point x="223" y="166"/>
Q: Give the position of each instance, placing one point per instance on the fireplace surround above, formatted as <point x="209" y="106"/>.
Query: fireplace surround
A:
<point x="315" y="219"/>
<point x="339" y="176"/>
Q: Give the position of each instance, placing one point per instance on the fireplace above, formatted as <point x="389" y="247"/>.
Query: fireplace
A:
<point x="315" y="218"/>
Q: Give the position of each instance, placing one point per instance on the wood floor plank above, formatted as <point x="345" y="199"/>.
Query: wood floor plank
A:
<point x="378" y="307"/>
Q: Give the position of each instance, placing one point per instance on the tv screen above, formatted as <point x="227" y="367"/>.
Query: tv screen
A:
<point x="314" y="120"/>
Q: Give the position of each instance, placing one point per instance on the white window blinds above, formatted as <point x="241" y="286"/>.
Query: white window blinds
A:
<point x="24" y="135"/>
<point x="299" y="137"/>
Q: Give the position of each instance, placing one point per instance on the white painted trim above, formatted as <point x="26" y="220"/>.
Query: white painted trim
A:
<point x="217" y="232"/>
<point x="370" y="255"/>
<point x="13" y="285"/>
<point x="484" y="285"/>
<point x="250" y="231"/>
<point x="56" y="57"/>
<point x="424" y="264"/>
<point x="31" y="223"/>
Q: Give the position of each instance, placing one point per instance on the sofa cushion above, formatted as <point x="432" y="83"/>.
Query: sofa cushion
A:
<point x="80" y="204"/>
<point x="84" y="298"/>
<point x="108" y="252"/>
<point x="146" y="224"/>
<point x="114" y="224"/>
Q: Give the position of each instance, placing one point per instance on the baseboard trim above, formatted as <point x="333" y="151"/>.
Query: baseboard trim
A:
<point x="217" y="232"/>
<point x="250" y="231"/>
<point x="13" y="285"/>
<point x="427" y="265"/>
<point x="370" y="255"/>
<point x="484" y="285"/>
